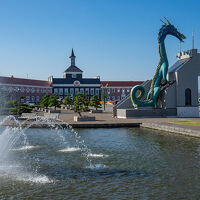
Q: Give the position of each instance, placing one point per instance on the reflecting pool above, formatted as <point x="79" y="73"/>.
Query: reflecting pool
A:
<point x="123" y="163"/>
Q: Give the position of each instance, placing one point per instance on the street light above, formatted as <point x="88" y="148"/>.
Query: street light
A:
<point x="104" y="96"/>
<point x="18" y="100"/>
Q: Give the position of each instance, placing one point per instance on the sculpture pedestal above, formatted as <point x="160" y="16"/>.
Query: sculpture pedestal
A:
<point x="146" y="112"/>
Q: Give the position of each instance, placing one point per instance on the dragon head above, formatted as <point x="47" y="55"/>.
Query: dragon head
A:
<point x="169" y="29"/>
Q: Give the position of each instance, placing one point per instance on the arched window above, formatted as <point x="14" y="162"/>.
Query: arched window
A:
<point x="188" y="101"/>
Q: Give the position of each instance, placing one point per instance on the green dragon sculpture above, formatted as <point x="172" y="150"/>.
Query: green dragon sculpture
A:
<point x="160" y="76"/>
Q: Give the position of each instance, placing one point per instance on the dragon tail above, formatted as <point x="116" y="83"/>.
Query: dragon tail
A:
<point x="137" y="98"/>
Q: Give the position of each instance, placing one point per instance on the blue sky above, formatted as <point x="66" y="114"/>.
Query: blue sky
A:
<point x="115" y="39"/>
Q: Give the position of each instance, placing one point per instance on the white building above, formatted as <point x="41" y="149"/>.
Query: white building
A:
<point x="183" y="94"/>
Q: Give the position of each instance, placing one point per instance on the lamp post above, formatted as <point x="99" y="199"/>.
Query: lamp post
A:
<point x="18" y="101"/>
<point x="104" y="96"/>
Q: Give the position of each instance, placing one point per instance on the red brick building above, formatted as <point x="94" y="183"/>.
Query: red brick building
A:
<point x="117" y="90"/>
<point x="31" y="90"/>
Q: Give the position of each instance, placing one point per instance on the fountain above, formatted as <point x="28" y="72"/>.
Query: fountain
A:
<point x="13" y="139"/>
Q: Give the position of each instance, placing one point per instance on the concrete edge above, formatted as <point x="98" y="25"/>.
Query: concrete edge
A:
<point x="172" y="129"/>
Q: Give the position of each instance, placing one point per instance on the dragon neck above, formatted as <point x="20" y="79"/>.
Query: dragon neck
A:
<point x="162" y="50"/>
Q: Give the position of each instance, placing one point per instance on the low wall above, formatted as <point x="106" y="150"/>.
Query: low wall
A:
<point x="172" y="128"/>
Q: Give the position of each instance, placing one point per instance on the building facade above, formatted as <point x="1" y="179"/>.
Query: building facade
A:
<point x="25" y="90"/>
<point x="183" y="94"/>
<point x="73" y="82"/>
<point x="117" y="90"/>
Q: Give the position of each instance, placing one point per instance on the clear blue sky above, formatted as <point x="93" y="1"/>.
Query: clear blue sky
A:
<point x="116" y="39"/>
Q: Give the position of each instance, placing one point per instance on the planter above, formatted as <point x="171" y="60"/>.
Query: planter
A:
<point x="84" y="118"/>
<point x="54" y="111"/>
<point x="96" y="111"/>
<point x="63" y="107"/>
<point x="51" y="115"/>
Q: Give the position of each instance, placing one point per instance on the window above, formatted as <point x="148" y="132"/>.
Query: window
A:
<point x="76" y="90"/>
<point x="45" y="90"/>
<point x="55" y="90"/>
<point x="66" y="90"/>
<point x="38" y="90"/>
<point x="33" y="90"/>
<point x="108" y="98"/>
<point x="123" y="91"/>
<point x="108" y="90"/>
<point x="10" y="89"/>
<point x="27" y="98"/>
<point x="72" y="91"/>
<point x="113" y="98"/>
<point x="97" y="91"/>
<point x="188" y="97"/>
<point x="82" y="90"/>
<point x="60" y="91"/>
<point x="86" y="91"/>
<point x="92" y="91"/>
<point x="28" y="90"/>
<point x="113" y="89"/>
<point x="118" y="90"/>
<point x="128" y="90"/>
<point x="33" y="99"/>
<point x="22" y="89"/>
<point x="16" y="89"/>
<point x="73" y="75"/>
<point x="118" y="98"/>
<point x="37" y="98"/>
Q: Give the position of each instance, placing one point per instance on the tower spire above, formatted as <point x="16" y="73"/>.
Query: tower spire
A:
<point x="72" y="57"/>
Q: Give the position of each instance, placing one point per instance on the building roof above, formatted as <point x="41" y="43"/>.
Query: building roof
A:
<point x="22" y="81"/>
<point x="178" y="65"/>
<point x="73" y="69"/>
<point x="120" y="83"/>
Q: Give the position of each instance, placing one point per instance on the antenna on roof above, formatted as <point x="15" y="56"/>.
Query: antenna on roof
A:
<point x="193" y="39"/>
<point x="180" y="46"/>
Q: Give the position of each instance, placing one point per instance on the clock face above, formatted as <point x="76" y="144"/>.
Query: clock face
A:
<point x="76" y="83"/>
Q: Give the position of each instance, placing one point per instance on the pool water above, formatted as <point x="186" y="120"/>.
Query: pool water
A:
<point x="117" y="163"/>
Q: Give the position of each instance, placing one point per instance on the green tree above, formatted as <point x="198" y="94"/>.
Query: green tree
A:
<point x="68" y="101"/>
<point x="45" y="101"/>
<point x="95" y="102"/>
<point x="18" y="109"/>
<point x="79" y="103"/>
<point x="53" y="101"/>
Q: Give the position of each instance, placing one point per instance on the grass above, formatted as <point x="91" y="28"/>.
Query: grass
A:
<point x="187" y="122"/>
